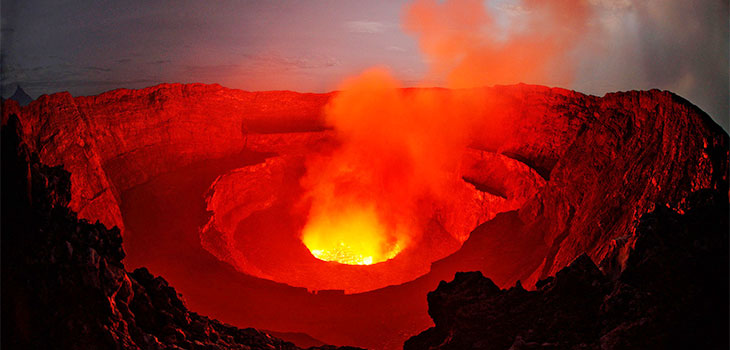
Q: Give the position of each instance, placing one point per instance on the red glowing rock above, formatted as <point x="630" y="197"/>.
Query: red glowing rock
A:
<point x="122" y="138"/>
<point x="569" y="173"/>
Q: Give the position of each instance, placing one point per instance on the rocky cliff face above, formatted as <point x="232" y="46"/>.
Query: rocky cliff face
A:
<point x="606" y="161"/>
<point x="589" y="149"/>
<point x="671" y="293"/>
<point x="123" y="137"/>
<point x="63" y="282"/>
<point x="639" y="149"/>
<point x="561" y="174"/>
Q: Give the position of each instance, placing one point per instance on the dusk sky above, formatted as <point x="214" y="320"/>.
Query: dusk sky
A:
<point x="87" y="47"/>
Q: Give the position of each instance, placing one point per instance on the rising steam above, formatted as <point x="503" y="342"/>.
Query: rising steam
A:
<point x="396" y="157"/>
<point x="466" y="45"/>
<point x="399" y="148"/>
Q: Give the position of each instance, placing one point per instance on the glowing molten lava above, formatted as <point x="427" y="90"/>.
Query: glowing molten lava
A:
<point x="398" y="151"/>
<point x="353" y="237"/>
<point x="397" y="155"/>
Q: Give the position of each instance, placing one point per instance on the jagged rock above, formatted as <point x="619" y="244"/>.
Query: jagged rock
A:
<point x="63" y="282"/>
<point x="602" y="161"/>
<point x="124" y="137"/>
<point x="672" y="293"/>
<point x="586" y="147"/>
<point x="655" y="143"/>
<point x="21" y="97"/>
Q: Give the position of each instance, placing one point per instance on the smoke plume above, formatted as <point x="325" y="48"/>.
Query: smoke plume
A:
<point x="399" y="148"/>
<point x="466" y="45"/>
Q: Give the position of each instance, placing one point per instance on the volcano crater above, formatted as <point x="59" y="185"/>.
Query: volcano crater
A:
<point x="257" y="215"/>
<point x="204" y="182"/>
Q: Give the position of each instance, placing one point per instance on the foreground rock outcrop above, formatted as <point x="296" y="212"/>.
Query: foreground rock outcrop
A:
<point x="562" y="174"/>
<point x="63" y="282"/>
<point x="672" y="292"/>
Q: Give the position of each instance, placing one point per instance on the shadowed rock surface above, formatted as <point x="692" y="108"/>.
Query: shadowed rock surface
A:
<point x="21" y="97"/>
<point x="563" y="174"/>
<point x="672" y="292"/>
<point x="63" y="282"/>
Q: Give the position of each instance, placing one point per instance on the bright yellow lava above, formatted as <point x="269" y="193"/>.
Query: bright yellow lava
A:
<point x="352" y="237"/>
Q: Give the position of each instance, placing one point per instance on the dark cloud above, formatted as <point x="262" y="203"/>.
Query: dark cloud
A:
<point x="681" y="46"/>
<point x="306" y="41"/>
<point x="684" y="48"/>
<point x="80" y="85"/>
<point x="98" y="69"/>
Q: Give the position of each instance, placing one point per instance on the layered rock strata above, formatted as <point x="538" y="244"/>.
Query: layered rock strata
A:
<point x="63" y="282"/>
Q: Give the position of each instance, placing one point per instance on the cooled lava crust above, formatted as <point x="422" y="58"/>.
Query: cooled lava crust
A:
<point x="202" y="182"/>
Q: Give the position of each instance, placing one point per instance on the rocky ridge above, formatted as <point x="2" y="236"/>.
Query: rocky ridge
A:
<point x="587" y="148"/>
<point x="121" y="138"/>
<point x="64" y="285"/>
<point x="671" y="293"/>
<point x="604" y="162"/>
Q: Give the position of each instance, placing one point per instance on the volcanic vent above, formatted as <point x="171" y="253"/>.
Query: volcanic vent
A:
<point x="214" y="188"/>
<point x="380" y="195"/>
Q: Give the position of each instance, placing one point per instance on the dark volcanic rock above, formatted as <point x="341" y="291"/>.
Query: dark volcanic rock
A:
<point x="589" y="168"/>
<point x="21" y="97"/>
<point x="64" y="285"/>
<point x="588" y="149"/>
<point x="671" y="293"/>
<point x="121" y="138"/>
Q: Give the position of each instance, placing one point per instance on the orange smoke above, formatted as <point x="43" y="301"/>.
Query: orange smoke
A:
<point x="399" y="148"/>
<point x="467" y="46"/>
<point x="398" y="153"/>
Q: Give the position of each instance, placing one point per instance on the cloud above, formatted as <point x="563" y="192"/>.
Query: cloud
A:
<point x="594" y="46"/>
<point x="612" y="4"/>
<point x="98" y="69"/>
<point x="467" y="45"/>
<point x="78" y="80"/>
<point x="367" y="27"/>
<point x="671" y="45"/>
<point x="396" y="48"/>
<point x="275" y="60"/>
<point x="77" y="87"/>
<point x="684" y="47"/>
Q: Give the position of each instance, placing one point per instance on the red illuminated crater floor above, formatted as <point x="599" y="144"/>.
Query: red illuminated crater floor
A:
<point x="146" y="160"/>
<point x="257" y="215"/>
